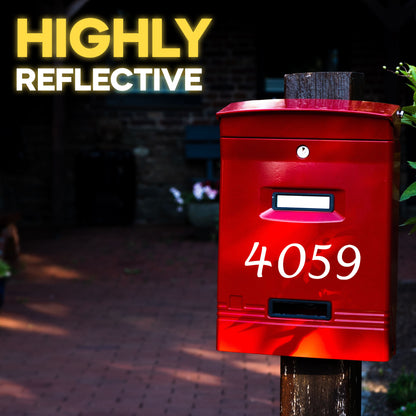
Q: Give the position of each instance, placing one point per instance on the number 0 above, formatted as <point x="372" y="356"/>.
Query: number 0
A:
<point x="282" y="259"/>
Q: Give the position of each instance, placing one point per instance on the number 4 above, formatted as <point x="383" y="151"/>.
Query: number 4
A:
<point x="260" y="263"/>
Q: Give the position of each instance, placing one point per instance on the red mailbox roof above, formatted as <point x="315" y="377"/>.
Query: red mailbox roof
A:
<point x="314" y="118"/>
<point x="367" y="108"/>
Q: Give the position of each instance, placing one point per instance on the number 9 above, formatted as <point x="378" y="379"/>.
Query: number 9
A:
<point x="356" y="262"/>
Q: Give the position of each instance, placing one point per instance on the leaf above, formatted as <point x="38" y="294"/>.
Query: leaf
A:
<point x="409" y="120"/>
<point x="409" y="192"/>
<point x="411" y="74"/>
<point x="412" y="70"/>
<point x="411" y="109"/>
<point x="412" y="87"/>
<point x="4" y="269"/>
<point x="412" y="164"/>
<point x="409" y="221"/>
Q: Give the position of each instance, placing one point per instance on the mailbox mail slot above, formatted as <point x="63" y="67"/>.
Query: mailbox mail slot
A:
<point x="308" y="228"/>
<point x="302" y="202"/>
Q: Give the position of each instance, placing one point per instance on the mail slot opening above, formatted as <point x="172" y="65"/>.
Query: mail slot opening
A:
<point x="302" y="202"/>
<point x="303" y="309"/>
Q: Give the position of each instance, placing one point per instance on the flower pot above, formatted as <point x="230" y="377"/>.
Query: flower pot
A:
<point x="203" y="214"/>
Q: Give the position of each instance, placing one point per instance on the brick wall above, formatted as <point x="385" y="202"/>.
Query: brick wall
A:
<point x="150" y="127"/>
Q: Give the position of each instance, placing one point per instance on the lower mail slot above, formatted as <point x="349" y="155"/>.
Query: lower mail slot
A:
<point x="302" y="309"/>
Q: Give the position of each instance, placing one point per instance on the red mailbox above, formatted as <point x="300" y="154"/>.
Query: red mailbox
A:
<point x="308" y="228"/>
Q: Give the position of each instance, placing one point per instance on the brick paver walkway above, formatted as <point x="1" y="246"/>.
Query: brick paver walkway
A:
<point x="121" y="321"/>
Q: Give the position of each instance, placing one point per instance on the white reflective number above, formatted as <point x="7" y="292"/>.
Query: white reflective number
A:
<point x="322" y="259"/>
<point x="302" y="260"/>
<point x="260" y="263"/>
<point x="355" y="263"/>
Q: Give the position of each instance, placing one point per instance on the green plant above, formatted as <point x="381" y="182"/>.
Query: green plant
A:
<point x="409" y="117"/>
<point x="4" y="269"/>
<point x="409" y="72"/>
<point x="402" y="391"/>
<point x="408" y="410"/>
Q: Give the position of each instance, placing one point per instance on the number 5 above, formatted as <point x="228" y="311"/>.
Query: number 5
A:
<point x="321" y="259"/>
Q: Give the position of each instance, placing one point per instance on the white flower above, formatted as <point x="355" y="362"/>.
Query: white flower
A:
<point x="175" y="192"/>
<point x="198" y="191"/>
<point x="178" y="198"/>
<point x="210" y="193"/>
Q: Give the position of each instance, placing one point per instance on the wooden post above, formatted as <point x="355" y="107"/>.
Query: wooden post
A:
<point x="311" y="386"/>
<point x="332" y="85"/>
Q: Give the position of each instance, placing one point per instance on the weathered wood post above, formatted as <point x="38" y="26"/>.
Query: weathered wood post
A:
<point x="319" y="386"/>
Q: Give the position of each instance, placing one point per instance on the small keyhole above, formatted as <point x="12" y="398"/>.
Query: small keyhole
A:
<point x="302" y="152"/>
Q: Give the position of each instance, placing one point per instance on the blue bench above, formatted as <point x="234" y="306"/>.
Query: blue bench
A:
<point x="203" y="143"/>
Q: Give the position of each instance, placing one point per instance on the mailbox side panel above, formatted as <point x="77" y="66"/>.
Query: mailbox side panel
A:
<point x="307" y="282"/>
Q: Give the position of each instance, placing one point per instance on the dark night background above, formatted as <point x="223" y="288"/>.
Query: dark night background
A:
<point x="245" y="53"/>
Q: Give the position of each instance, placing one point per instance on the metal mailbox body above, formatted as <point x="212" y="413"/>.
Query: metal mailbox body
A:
<point x="308" y="228"/>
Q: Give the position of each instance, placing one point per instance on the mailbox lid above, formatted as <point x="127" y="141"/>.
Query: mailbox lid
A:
<point x="310" y="118"/>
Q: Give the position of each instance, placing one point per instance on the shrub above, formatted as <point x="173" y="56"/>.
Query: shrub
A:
<point x="402" y="391"/>
<point x="408" y="410"/>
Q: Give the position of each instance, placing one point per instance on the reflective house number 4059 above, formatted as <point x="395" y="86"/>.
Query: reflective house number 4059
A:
<point x="262" y="262"/>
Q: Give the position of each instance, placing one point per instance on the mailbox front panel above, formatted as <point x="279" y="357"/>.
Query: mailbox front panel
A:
<point x="307" y="247"/>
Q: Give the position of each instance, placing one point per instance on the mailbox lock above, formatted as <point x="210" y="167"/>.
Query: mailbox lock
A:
<point x="302" y="151"/>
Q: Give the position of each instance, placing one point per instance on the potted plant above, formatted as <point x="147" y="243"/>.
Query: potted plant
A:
<point x="202" y="203"/>
<point x="4" y="275"/>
